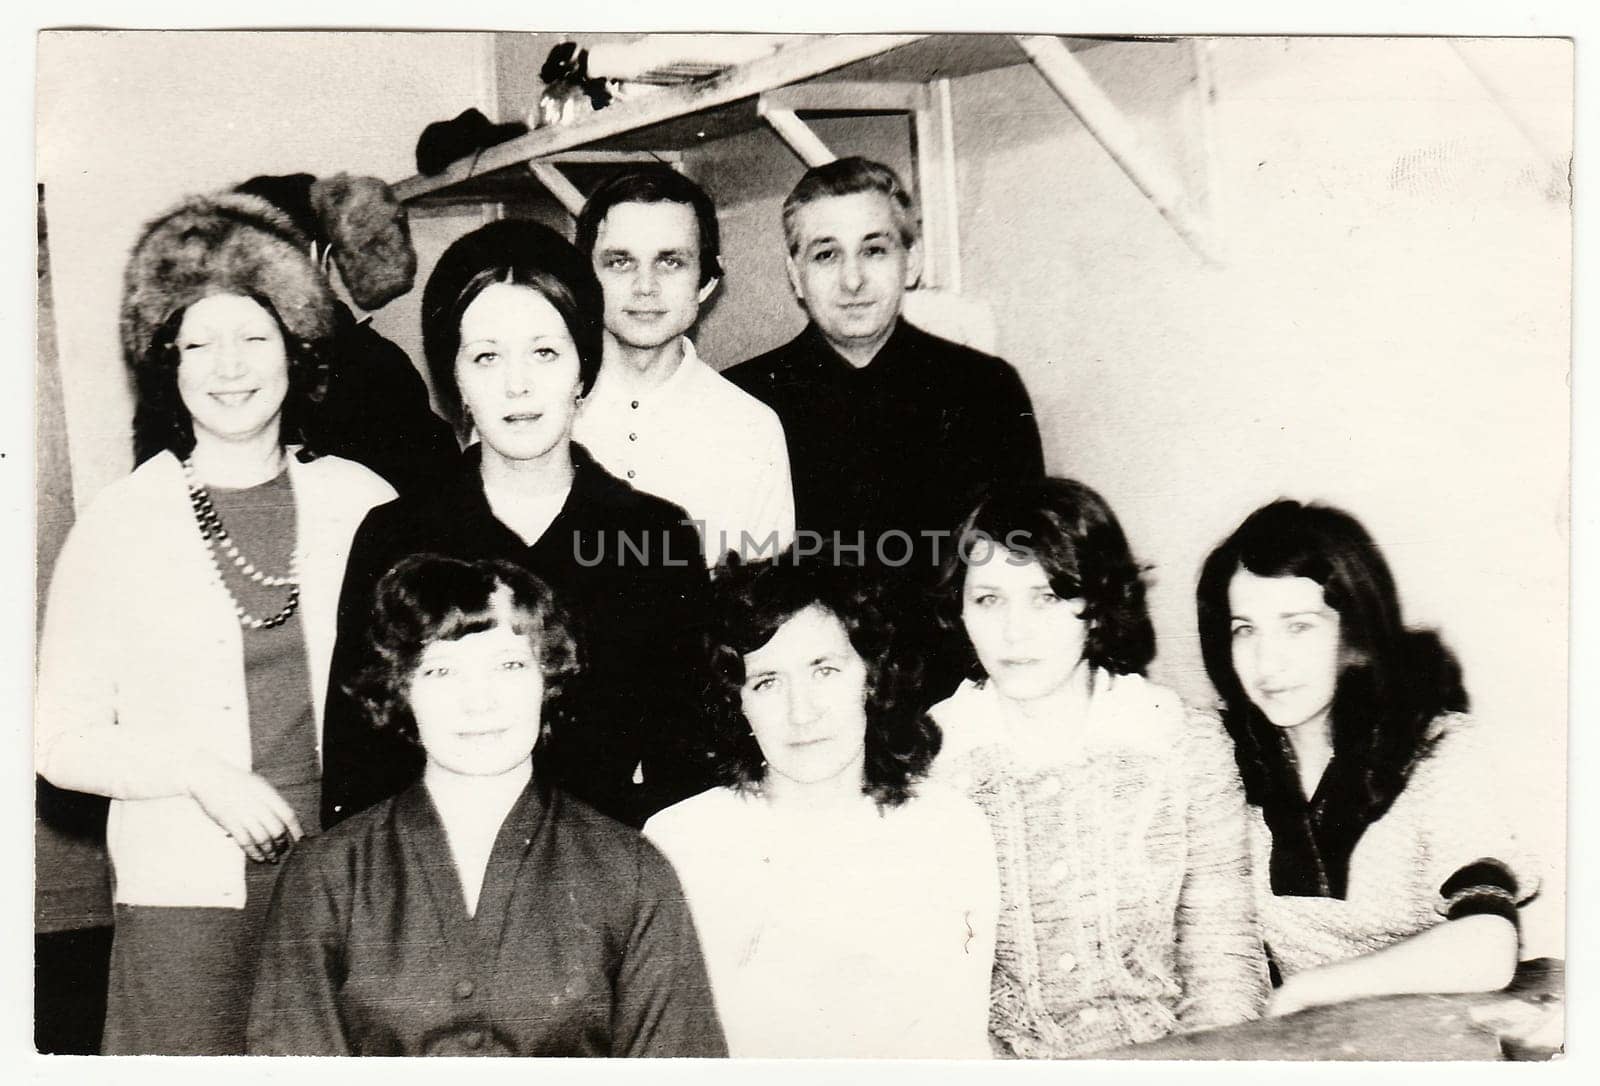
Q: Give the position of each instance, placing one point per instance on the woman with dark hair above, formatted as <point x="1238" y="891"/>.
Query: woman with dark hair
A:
<point x="185" y="650"/>
<point x="1118" y="821"/>
<point x="1382" y="862"/>
<point x="846" y="908"/>
<point x="482" y="911"/>
<point x="512" y="326"/>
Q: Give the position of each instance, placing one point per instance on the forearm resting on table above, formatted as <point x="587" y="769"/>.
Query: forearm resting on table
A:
<point x="1476" y="953"/>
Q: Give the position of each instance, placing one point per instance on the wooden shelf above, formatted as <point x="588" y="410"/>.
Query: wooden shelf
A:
<point x="675" y="119"/>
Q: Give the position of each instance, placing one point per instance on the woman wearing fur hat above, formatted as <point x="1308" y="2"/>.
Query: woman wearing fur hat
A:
<point x="185" y="652"/>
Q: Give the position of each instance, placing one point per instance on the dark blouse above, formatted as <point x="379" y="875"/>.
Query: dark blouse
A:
<point x="581" y="945"/>
<point x="627" y="567"/>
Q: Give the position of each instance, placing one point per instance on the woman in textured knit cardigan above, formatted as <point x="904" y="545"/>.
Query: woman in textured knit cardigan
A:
<point x="1118" y="820"/>
<point x="185" y="651"/>
<point x="1383" y="863"/>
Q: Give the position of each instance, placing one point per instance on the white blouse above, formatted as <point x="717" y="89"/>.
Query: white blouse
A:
<point x="843" y="933"/>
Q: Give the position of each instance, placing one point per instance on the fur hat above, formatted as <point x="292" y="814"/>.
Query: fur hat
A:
<point x="360" y="219"/>
<point x="227" y="243"/>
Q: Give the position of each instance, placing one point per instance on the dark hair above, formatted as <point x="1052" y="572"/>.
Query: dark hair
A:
<point x="427" y="598"/>
<point x="653" y="187"/>
<point x="846" y="177"/>
<point x="750" y="602"/>
<point x="1072" y="533"/>
<point x="1393" y="682"/>
<point x="520" y="253"/>
<point x="161" y="422"/>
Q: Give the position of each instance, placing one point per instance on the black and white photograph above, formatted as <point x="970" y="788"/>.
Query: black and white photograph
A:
<point x="911" y="545"/>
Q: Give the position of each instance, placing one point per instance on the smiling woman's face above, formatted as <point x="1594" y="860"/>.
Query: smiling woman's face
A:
<point x="233" y="369"/>
<point x="1028" y="639"/>
<point x="517" y="368"/>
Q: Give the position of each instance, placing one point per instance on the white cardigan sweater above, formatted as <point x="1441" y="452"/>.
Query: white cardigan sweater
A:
<point x="141" y="667"/>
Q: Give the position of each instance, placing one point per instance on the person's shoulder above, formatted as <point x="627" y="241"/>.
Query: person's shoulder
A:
<point x="618" y="858"/>
<point x="333" y="848"/>
<point x="133" y="491"/>
<point x="1456" y="744"/>
<point x="975" y="370"/>
<point x="938" y="803"/>
<point x="1141" y="702"/>
<point x="732" y="406"/>
<point x="631" y="507"/>
<point x="761" y="372"/>
<point x="346" y="480"/>
<point x="693" y="817"/>
<point x="964" y="714"/>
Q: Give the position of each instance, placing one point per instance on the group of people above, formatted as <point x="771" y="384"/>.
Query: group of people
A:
<point x="787" y="711"/>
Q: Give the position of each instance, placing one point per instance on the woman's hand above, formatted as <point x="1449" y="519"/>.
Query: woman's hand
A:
<point x="247" y="808"/>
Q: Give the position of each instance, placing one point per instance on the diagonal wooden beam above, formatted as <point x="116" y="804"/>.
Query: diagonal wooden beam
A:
<point x="556" y="182"/>
<point x="795" y="132"/>
<point x="1105" y="122"/>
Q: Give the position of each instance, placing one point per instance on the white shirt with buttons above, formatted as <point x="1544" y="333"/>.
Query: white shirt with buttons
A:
<point x="698" y="441"/>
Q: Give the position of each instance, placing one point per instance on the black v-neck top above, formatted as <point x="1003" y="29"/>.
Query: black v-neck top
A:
<point x="627" y="567"/>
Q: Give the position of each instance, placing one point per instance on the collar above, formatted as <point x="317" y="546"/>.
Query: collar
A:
<point x="690" y="370"/>
<point x="594" y="493"/>
<point x="894" y="348"/>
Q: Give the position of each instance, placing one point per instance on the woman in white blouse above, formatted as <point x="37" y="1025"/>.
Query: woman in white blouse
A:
<point x="845" y="908"/>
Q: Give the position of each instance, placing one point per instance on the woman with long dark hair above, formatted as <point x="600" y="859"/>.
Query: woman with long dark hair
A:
<point x="1383" y="863"/>
<point x="185" y="652"/>
<point x="1118" y="820"/>
<point x="847" y="907"/>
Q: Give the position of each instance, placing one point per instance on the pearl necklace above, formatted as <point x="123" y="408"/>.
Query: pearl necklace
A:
<point x="217" y="538"/>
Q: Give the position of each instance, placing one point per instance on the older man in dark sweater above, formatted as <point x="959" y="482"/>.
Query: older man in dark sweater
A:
<point x="892" y="432"/>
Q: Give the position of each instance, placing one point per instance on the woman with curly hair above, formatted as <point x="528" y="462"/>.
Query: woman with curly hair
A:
<point x="191" y="616"/>
<point x="846" y="908"/>
<point x="1383" y="864"/>
<point x="482" y="911"/>
<point x="1118" y="820"/>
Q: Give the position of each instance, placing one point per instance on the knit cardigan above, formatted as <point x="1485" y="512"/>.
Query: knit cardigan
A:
<point x="141" y="667"/>
<point x="1126" y="902"/>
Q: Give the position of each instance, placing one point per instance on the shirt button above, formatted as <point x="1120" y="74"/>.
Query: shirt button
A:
<point x="636" y="405"/>
<point x="630" y="473"/>
<point x="473" y="1038"/>
<point x="633" y="437"/>
<point x="464" y="989"/>
<point x="1067" y="963"/>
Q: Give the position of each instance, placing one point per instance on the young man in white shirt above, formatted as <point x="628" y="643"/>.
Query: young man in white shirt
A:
<point x="658" y="415"/>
